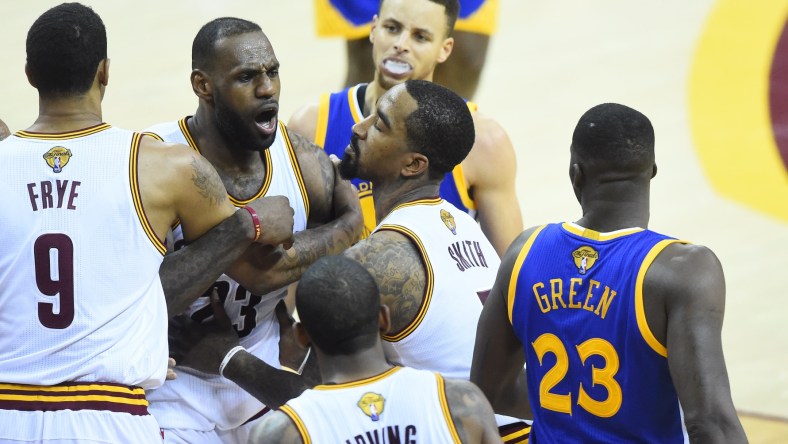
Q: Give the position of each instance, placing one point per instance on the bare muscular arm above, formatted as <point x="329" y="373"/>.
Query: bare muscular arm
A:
<point x="304" y="121"/>
<point x="471" y="412"/>
<point x="490" y="169"/>
<point x="498" y="355"/>
<point x="277" y="428"/>
<point x="334" y="224"/>
<point x="397" y="267"/>
<point x="684" y="298"/>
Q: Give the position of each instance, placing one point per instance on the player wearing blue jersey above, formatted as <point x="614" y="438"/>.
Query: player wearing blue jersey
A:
<point x="410" y="38"/>
<point x="351" y="19"/>
<point x="620" y="327"/>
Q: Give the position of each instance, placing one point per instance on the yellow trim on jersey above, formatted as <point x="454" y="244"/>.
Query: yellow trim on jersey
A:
<point x="136" y="197"/>
<point x="596" y="235"/>
<point x="287" y="410"/>
<point x="187" y="134"/>
<point x="517" y="434"/>
<point x="518" y="264"/>
<point x="428" y="285"/>
<point x="72" y="388"/>
<point x="351" y="100"/>
<point x="296" y="167"/>
<point x="263" y="189"/>
<point x="359" y="382"/>
<point x="472" y="106"/>
<point x="322" y="120"/>
<point x="429" y="201"/>
<point x="462" y="187"/>
<point x="446" y="410"/>
<point x="640" y="311"/>
<point x="69" y="393"/>
<point x="62" y="136"/>
<point x="154" y="135"/>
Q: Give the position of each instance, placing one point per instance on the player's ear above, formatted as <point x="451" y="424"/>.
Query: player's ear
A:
<point x="201" y="85"/>
<point x="302" y="337"/>
<point x="654" y="173"/>
<point x="29" y="78"/>
<point x="103" y="72"/>
<point x="372" y="29"/>
<point x="446" y="48"/>
<point x="384" y="319"/>
<point x="417" y="164"/>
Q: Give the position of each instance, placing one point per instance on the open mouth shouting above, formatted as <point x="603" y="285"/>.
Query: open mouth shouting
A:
<point x="266" y="119"/>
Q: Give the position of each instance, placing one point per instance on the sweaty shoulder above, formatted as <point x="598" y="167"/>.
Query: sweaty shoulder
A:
<point x="471" y="412"/>
<point x="304" y="120"/>
<point x="685" y="279"/>
<point x="492" y="150"/>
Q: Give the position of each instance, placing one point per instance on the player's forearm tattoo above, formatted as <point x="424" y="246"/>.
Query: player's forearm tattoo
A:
<point x="205" y="178"/>
<point x="399" y="272"/>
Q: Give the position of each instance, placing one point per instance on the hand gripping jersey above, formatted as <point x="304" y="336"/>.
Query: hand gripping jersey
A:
<point x="460" y="266"/>
<point x="352" y="18"/>
<point x="400" y="405"/>
<point x="82" y="309"/>
<point x="595" y="371"/>
<point x="337" y="114"/>
<point x="201" y="402"/>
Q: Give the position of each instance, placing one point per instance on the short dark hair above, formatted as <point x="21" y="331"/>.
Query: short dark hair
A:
<point x="204" y="44"/>
<point x="616" y="135"/>
<point x="338" y="303"/>
<point x="441" y="127"/>
<point x="452" y="12"/>
<point x="64" y="48"/>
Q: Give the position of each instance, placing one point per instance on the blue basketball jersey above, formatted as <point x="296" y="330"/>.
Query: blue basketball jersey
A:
<point x="595" y="371"/>
<point x="337" y="114"/>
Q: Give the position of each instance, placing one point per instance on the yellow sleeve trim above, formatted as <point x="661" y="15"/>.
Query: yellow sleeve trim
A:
<point x="322" y="121"/>
<point x="640" y="312"/>
<point x="428" y="285"/>
<point x="518" y="263"/>
<point x="287" y="410"/>
<point x="462" y="187"/>
<point x="136" y="196"/>
<point x="446" y="411"/>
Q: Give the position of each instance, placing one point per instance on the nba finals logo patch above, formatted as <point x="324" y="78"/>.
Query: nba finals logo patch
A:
<point x="372" y="405"/>
<point x="448" y="220"/>
<point x="57" y="158"/>
<point x="584" y="258"/>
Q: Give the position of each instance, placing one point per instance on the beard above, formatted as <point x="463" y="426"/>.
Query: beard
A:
<point x="348" y="166"/>
<point x="233" y="130"/>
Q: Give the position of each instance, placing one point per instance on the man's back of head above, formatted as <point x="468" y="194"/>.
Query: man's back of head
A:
<point x="339" y="305"/>
<point x="441" y="127"/>
<point x="64" y="48"/>
<point x="614" y="137"/>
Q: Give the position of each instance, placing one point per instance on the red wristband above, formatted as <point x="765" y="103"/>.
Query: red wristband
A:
<point x="256" y="221"/>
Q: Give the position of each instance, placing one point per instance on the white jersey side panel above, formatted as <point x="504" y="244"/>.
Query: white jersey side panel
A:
<point x="80" y="296"/>
<point x="203" y="402"/>
<point x="402" y="402"/>
<point x="461" y="266"/>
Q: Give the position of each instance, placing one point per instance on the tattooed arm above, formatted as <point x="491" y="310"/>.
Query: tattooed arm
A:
<point x="177" y="184"/>
<point x="4" y="131"/>
<point x="471" y="412"/>
<point x="334" y="224"/>
<point x="397" y="267"/>
<point x="277" y="428"/>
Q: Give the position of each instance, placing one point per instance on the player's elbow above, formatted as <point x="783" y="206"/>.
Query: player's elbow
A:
<point x="715" y="428"/>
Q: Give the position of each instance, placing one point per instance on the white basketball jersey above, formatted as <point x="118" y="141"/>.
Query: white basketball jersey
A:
<point x="461" y="266"/>
<point x="401" y="405"/>
<point x="199" y="401"/>
<point x="80" y="296"/>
